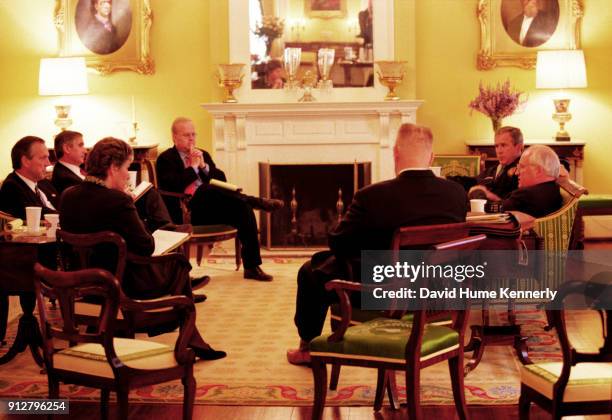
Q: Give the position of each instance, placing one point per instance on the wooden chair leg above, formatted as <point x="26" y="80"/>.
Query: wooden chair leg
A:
<point x="334" y="377"/>
<point x="524" y="405"/>
<point x="413" y="392"/>
<point x="381" y="386"/>
<point x="123" y="403"/>
<point x="53" y="389"/>
<point x="189" y="386"/>
<point x="319" y="372"/>
<point x="455" y="366"/>
<point x="237" y="250"/>
<point x="392" y="392"/>
<point x="105" y="394"/>
<point x="199" y="253"/>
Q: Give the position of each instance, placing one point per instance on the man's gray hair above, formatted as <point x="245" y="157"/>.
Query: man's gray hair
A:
<point x="544" y="157"/>
<point x="179" y="120"/>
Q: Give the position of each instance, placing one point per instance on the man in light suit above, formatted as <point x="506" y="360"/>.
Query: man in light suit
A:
<point x="26" y="185"/>
<point x="536" y="24"/>
<point x="415" y="197"/>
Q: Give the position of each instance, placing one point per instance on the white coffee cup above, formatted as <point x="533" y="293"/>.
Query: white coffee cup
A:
<point x="53" y="219"/>
<point x="33" y="218"/>
<point x="132" y="182"/>
<point x="437" y="170"/>
<point x="478" y="205"/>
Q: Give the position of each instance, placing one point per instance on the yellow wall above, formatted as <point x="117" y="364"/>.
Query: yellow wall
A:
<point x="189" y="37"/>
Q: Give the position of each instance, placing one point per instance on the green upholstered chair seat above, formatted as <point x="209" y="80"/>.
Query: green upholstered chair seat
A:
<point x="595" y="201"/>
<point x="384" y="339"/>
<point x="457" y="165"/>
<point x="359" y="316"/>
<point x="587" y="381"/>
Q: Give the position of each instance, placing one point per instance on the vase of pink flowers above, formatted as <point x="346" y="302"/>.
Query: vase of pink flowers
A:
<point x="497" y="102"/>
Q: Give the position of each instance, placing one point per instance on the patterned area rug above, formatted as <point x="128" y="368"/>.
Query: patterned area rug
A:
<point x="253" y="322"/>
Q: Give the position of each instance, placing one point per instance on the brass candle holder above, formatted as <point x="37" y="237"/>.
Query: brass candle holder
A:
<point x="230" y="78"/>
<point x="391" y="74"/>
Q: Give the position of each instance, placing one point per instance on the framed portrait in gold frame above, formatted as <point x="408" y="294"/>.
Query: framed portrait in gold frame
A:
<point x="512" y="31"/>
<point x="112" y="35"/>
<point x="325" y="9"/>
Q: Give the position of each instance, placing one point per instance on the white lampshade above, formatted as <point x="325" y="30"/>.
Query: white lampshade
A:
<point x="62" y="76"/>
<point x="560" y="69"/>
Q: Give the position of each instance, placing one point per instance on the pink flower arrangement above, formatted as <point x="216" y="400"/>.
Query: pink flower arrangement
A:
<point x="497" y="103"/>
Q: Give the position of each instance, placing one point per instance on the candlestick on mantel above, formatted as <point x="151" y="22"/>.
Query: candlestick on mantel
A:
<point x="133" y="110"/>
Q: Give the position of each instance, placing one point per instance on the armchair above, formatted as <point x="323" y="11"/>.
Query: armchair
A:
<point x="100" y="360"/>
<point x="78" y="251"/>
<point x="387" y="344"/>
<point x="203" y="235"/>
<point x="582" y="382"/>
<point x="457" y="165"/>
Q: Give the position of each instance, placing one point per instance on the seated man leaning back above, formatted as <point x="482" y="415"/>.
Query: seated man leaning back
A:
<point x="414" y="197"/>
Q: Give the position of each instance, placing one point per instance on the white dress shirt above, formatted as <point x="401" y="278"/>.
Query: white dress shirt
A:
<point x="525" y="28"/>
<point x="73" y="168"/>
<point x="32" y="186"/>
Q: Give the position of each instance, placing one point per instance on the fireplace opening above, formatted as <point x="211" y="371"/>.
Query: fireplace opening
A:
<point x="315" y="197"/>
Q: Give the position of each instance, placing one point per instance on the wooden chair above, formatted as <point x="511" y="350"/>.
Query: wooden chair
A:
<point x="422" y="237"/>
<point x="4" y="299"/>
<point x="100" y="360"/>
<point x="76" y="252"/>
<point x="582" y="383"/>
<point x="204" y="235"/>
<point x="388" y="344"/>
<point x="458" y="165"/>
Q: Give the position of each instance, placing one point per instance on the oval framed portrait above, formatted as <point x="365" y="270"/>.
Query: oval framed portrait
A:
<point x="530" y="23"/>
<point x="103" y="26"/>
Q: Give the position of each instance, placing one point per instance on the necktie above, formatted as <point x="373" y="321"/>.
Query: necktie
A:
<point x="39" y="195"/>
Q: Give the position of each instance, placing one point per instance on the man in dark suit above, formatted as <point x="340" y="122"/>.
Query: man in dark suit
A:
<point x="415" y="197"/>
<point x="26" y="185"/>
<point x="98" y="204"/>
<point x="538" y="193"/>
<point x="70" y="152"/>
<point x="186" y="169"/>
<point x="498" y="182"/>
<point x="536" y="24"/>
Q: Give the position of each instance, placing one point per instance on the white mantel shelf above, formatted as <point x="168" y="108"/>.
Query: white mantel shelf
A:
<point x="313" y="108"/>
<point x="246" y="134"/>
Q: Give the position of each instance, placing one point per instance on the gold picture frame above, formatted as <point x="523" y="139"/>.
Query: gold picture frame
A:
<point x="126" y="45"/>
<point x="499" y="49"/>
<point x="325" y="9"/>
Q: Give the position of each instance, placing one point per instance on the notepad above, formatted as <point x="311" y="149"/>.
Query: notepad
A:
<point x="142" y="188"/>
<point x="224" y="185"/>
<point x="489" y="218"/>
<point x="167" y="240"/>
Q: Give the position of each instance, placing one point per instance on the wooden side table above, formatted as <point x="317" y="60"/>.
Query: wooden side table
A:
<point x="572" y="151"/>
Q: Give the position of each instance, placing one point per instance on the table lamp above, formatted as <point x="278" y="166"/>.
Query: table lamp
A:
<point x="564" y="69"/>
<point x="62" y="77"/>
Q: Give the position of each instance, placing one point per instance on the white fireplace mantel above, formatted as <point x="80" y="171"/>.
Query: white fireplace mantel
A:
<point x="246" y="134"/>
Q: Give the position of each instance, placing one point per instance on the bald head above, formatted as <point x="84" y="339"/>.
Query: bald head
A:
<point x="413" y="147"/>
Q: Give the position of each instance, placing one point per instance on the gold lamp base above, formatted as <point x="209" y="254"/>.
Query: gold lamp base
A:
<point x="562" y="116"/>
<point x="63" y="120"/>
<point x="391" y="75"/>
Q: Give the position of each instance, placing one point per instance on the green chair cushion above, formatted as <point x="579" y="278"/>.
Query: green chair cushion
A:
<point x="385" y="339"/>
<point x="595" y="201"/>
<point x="358" y="316"/>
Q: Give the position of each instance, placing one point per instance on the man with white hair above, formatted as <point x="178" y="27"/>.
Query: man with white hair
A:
<point x="414" y="197"/>
<point x="538" y="193"/>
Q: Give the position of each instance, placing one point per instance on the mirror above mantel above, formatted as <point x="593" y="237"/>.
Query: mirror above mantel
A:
<point x="311" y="25"/>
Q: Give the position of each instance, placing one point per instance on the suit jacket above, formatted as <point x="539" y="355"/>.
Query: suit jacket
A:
<point x="412" y="198"/>
<point x="541" y="29"/>
<point x="501" y="185"/>
<point x="173" y="176"/>
<point x="89" y="208"/>
<point x="537" y="200"/>
<point x="63" y="177"/>
<point x="15" y="196"/>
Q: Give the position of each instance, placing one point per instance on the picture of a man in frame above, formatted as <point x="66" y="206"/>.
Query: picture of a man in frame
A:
<point x="530" y="23"/>
<point x="103" y="26"/>
<point x="325" y="5"/>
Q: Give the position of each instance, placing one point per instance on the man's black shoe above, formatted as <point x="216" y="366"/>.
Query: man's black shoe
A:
<point x="209" y="353"/>
<point x="199" y="282"/>
<point x="266" y="204"/>
<point x="199" y="297"/>
<point x="257" y="274"/>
